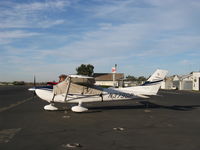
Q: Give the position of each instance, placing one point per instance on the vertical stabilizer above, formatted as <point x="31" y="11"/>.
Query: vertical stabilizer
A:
<point x="158" y="75"/>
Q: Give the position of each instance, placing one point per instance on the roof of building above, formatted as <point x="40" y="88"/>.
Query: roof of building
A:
<point x="108" y="76"/>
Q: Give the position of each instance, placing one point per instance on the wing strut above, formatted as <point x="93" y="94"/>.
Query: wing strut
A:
<point x="52" y="101"/>
<point x="68" y="87"/>
<point x="101" y="95"/>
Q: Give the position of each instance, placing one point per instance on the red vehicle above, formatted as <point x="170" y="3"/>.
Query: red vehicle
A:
<point x="52" y="83"/>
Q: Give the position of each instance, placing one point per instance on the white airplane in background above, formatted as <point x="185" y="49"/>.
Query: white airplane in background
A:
<point x="70" y="92"/>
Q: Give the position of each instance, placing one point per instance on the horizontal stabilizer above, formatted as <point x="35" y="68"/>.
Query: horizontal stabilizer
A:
<point x="142" y="96"/>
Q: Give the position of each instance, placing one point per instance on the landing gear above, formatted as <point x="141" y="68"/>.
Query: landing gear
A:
<point x="50" y="107"/>
<point x="79" y="108"/>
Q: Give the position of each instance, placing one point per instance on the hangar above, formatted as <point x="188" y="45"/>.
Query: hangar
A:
<point x="185" y="82"/>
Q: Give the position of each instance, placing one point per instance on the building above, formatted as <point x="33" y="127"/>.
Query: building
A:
<point x="196" y="81"/>
<point x="168" y="83"/>
<point x="191" y="81"/>
<point x="175" y="81"/>
<point x="185" y="82"/>
<point x="106" y="79"/>
<point x="131" y="83"/>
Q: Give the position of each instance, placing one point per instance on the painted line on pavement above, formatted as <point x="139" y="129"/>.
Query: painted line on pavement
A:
<point x="14" y="105"/>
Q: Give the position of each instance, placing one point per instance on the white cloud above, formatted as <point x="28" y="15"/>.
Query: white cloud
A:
<point x="111" y="9"/>
<point x="128" y="39"/>
<point x="17" y="34"/>
<point x="186" y="62"/>
<point x="137" y="34"/>
<point x="167" y="15"/>
<point x="8" y="36"/>
<point x="105" y="26"/>
<point x="50" y="23"/>
<point x="119" y="42"/>
<point x="26" y="23"/>
<point x="38" y="6"/>
<point x="31" y="15"/>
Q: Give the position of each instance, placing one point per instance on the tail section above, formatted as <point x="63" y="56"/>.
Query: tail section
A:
<point x="158" y="75"/>
<point x="153" y="84"/>
<point x="150" y="87"/>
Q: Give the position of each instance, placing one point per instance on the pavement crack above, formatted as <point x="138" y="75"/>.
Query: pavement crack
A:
<point x="7" y="134"/>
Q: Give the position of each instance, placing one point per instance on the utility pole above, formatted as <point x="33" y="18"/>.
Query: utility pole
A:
<point x="114" y="69"/>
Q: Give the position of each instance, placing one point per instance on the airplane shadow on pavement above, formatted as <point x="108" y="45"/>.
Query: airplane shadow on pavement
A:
<point x="146" y="105"/>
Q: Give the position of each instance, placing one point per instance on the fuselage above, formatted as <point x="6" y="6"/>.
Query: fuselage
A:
<point x="47" y="95"/>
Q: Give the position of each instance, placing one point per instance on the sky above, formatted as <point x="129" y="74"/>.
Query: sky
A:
<point x="47" y="38"/>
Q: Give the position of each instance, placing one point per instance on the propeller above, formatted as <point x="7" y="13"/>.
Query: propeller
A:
<point x="34" y="83"/>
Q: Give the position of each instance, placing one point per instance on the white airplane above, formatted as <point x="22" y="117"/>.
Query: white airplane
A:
<point x="70" y="92"/>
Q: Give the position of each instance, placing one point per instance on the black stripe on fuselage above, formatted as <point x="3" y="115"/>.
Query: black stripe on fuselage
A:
<point x="151" y="82"/>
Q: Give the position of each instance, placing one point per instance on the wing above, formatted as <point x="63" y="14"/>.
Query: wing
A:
<point x="80" y="76"/>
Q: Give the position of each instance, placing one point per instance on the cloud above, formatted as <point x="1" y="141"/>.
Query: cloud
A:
<point x="138" y="35"/>
<point x="105" y="26"/>
<point x="186" y="62"/>
<point x="17" y="34"/>
<point x="8" y="36"/>
<point x="41" y="6"/>
<point x="50" y="23"/>
<point x="31" y="15"/>
<point x="172" y="45"/>
<point x="167" y="15"/>
<point x="117" y="43"/>
<point x="30" y="23"/>
<point x="138" y="40"/>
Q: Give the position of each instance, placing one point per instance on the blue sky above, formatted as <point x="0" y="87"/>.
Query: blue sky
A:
<point x="50" y="37"/>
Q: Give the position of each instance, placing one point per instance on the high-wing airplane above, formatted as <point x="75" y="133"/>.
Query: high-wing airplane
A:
<point x="71" y="91"/>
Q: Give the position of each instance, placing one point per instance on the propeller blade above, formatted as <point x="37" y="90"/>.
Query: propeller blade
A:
<point x="34" y="83"/>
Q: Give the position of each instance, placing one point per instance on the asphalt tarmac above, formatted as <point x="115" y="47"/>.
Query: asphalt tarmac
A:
<point x="169" y="121"/>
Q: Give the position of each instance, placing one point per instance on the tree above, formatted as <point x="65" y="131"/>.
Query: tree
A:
<point x="131" y="78"/>
<point x="141" y="78"/>
<point x="18" y="83"/>
<point x="85" y="70"/>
